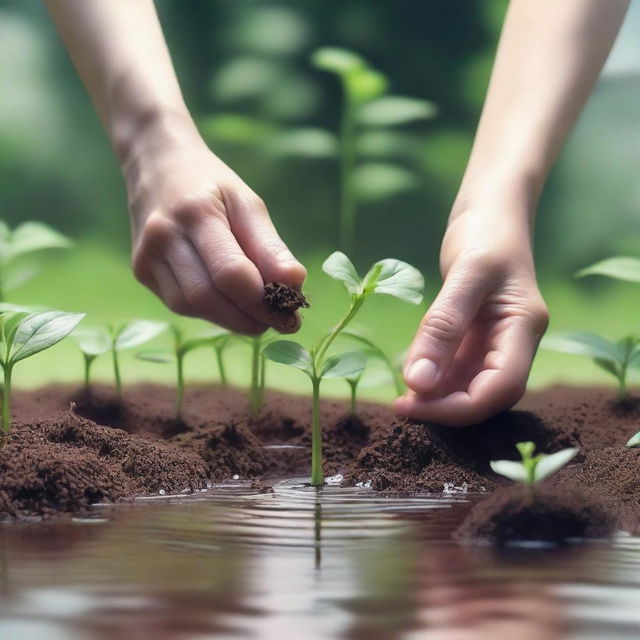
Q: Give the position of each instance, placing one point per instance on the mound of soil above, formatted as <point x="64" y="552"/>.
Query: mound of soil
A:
<point x="548" y="515"/>
<point x="56" y="460"/>
<point x="280" y="297"/>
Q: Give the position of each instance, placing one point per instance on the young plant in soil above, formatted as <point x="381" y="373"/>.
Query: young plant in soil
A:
<point x="17" y="247"/>
<point x="363" y="106"/>
<point x="24" y="334"/>
<point x="391" y="277"/>
<point x="220" y="339"/>
<point x="533" y="468"/>
<point x="181" y="347"/>
<point x="615" y="358"/>
<point x="93" y="342"/>
<point x="128" y="336"/>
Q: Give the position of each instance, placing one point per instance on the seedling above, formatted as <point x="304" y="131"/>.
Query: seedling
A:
<point x="22" y="335"/>
<point x="532" y="469"/>
<point x="391" y="277"/>
<point x="614" y="357"/>
<point x="220" y="339"/>
<point x="181" y="347"/>
<point x="364" y="105"/>
<point x="634" y="441"/>
<point x="26" y="239"/>
<point x="93" y="342"/>
<point x="127" y="336"/>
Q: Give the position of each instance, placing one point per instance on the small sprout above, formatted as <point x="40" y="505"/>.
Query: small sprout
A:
<point x="634" y="441"/>
<point x="25" y="334"/>
<point x="128" y="336"/>
<point x="93" y="342"/>
<point x="220" y="339"/>
<point x="532" y="469"/>
<point x="391" y="277"/>
<point x="614" y="357"/>
<point x="180" y="349"/>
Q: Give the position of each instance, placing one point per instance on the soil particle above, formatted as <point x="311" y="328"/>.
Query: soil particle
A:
<point x="282" y="298"/>
<point x="548" y="515"/>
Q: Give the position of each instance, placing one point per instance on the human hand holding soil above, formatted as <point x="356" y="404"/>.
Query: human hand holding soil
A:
<point x="473" y="350"/>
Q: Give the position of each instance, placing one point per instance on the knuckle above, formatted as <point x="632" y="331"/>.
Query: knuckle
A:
<point x="228" y="269"/>
<point x="191" y="212"/>
<point x="157" y="232"/>
<point x="442" y="325"/>
<point x="199" y="295"/>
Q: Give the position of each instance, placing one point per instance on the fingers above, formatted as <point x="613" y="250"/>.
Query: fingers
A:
<point x="252" y="227"/>
<point x="499" y="384"/>
<point x="443" y="328"/>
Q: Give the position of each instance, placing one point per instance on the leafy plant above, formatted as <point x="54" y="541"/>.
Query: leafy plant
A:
<point x="128" y="336"/>
<point x="93" y="342"/>
<point x="181" y="347"/>
<point x="364" y="105"/>
<point x="391" y="277"/>
<point x="533" y="468"/>
<point x="614" y="357"/>
<point x="27" y="238"/>
<point x="24" y="334"/>
<point x="220" y="339"/>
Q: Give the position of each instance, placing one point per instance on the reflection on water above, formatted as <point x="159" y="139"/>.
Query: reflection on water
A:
<point x="297" y="563"/>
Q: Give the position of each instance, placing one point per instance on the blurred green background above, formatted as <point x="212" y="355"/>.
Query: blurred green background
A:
<point x="244" y="68"/>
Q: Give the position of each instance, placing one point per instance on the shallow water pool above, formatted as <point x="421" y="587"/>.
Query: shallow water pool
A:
<point x="300" y="563"/>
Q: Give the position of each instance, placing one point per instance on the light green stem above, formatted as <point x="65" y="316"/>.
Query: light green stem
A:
<point x="116" y="371"/>
<point x="354" y="389"/>
<point x="221" y="370"/>
<point x="254" y="391"/>
<point x="347" y="162"/>
<point x="179" y="384"/>
<point x="317" y="478"/>
<point x="6" y="399"/>
<point x="356" y="303"/>
<point x="88" y="361"/>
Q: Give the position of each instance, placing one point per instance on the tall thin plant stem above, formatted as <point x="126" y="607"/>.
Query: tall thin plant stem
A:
<point x="218" y="348"/>
<point x="254" y="391"/>
<point x="88" y="361"/>
<point x="116" y="370"/>
<point x="354" y="389"/>
<point x="179" y="384"/>
<point x="317" y="477"/>
<point x="6" y="399"/>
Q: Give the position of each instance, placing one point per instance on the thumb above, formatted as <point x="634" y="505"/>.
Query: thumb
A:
<point x="443" y="328"/>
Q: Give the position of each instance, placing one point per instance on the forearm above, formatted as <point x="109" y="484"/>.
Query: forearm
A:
<point x="548" y="59"/>
<point x="119" y="51"/>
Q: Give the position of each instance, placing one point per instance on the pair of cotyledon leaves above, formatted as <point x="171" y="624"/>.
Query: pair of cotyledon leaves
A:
<point x="98" y="340"/>
<point x="391" y="277"/>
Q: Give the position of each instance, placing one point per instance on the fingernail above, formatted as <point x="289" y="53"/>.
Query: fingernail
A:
<point x="422" y="375"/>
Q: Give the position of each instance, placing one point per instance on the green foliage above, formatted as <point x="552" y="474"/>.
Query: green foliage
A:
<point x="93" y="342"/>
<point x="18" y="245"/>
<point x="24" y="334"/>
<point x="634" y="441"/>
<point x="389" y="111"/>
<point x="614" y="357"/>
<point x="620" y="268"/>
<point x="533" y="468"/>
<point x="390" y="277"/>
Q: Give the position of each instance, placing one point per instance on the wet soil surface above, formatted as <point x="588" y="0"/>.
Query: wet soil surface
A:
<point x="62" y="460"/>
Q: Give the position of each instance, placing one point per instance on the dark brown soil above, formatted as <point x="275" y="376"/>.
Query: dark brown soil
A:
<point x="56" y="460"/>
<point x="280" y="297"/>
<point x="548" y="515"/>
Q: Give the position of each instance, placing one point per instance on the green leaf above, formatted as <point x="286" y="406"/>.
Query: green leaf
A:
<point x="515" y="471"/>
<point x="138" y="332"/>
<point x="549" y="464"/>
<point x="526" y="449"/>
<point x="335" y="60"/>
<point x="39" y="331"/>
<point x="364" y="84"/>
<point x="339" y="267"/>
<point x="379" y="180"/>
<point x="291" y="353"/>
<point x="634" y="441"/>
<point x="304" y="142"/>
<point x="16" y="275"/>
<point x="584" y="343"/>
<point x="620" y="268"/>
<point x="33" y="236"/>
<point x="395" y="110"/>
<point x="395" y="278"/>
<point x="92" y="341"/>
<point x="155" y="355"/>
<point x="345" y="365"/>
<point x="236" y="129"/>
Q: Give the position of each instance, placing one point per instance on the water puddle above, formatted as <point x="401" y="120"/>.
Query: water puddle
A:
<point x="297" y="563"/>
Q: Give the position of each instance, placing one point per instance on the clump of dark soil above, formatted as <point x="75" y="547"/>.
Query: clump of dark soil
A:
<point x="548" y="515"/>
<point x="66" y="463"/>
<point x="282" y="298"/>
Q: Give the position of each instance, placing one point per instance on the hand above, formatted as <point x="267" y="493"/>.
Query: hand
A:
<point x="473" y="351"/>
<point x="202" y="239"/>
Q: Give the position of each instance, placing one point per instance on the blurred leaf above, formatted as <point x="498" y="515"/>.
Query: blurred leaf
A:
<point x="138" y="332"/>
<point x="39" y="331"/>
<point x="395" y="278"/>
<point x="339" y="267"/>
<point x="583" y="343"/>
<point x="161" y="356"/>
<point x="634" y="441"/>
<point x="340" y="61"/>
<point x="29" y="237"/>
<point x="17" y="275"/>
<point x="364" y="84"/>
<point x="245" y="77"/>
<point x="291" y="353"/>
<point x="92" y="341"/>
<point x="510" y="469"/>
<point x="548" y="464"/>
<point x="395" y="110"/>
<point x="307" y="142"/>
<point x="620" y="268"/>
<point x="345" y="365"/>
<point x="384" y="143"/>
<point x="236" y="129"/>
<point x="376" y="181"/>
